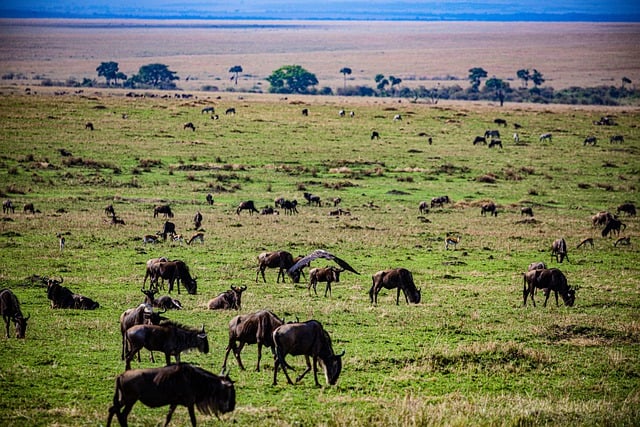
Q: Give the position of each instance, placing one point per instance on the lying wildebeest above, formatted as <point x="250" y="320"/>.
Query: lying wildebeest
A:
<point x="439" y="201"/>
<point x="375" y="135"/>
<point x="628" y="208"/>
<point x="282" y="260"/>
<point x="29" y="208"/>
<point x="399" y="278"/>
<point x="174" y="385"/>
<point x="268" y="210"/>
<point x="585" y="242"/>
<point x="247" y="205"/>
<point x="62" y="297"/>
<point x="480" y="140"/>
<point x="165" y="302"/>
<point x="489" y="207"/>
<point x="306" y="339"/>
<point x="197" y="220"/>
<point x="167" y="337"/>
<point x="616" y="138"/>
<point x="7" y="206"/>
<point x="602" y="218"/>
<point x="254" y="328"/>
<point x="140" y="315"/>
<point x="546" y="137"/>
<point x="495" y="143"/>
<point x="189" y="125"/>
<point x="229" y="300"/>
<point x="551" y="279"/>
<point x="423" y="207"/>
<point x="591" y="140"/>
<point x="165" y="210"/>
<point x="10" y="311"/>
<point x="559" y="250"/>
<point x="613" y="226"/>
<point x="174" y="272"/>
<point x="500" y="122"/>
<point x="209" y="199"/>
<point x="526" y="210"/>
<point x="312" y="199"/>
<point x="338" y="212"/>
<point x="323" y="274"/>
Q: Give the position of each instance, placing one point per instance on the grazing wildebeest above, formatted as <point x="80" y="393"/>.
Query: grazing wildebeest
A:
<point x="500" y="122"/>
<point x="7" y="206"/>
<point x="167" y="229"/>
<point x="602" y="218"/>
<point x="189" y="125"/>
<point x="423" y="207"/>
<point x="109" y="210"/>
<point x="559" y="250"/>
<point x="613" y="226"/>
<point x="165" y="302"/>
<point x="247" y="205"/>
<point x="323" y="274"/>
<point x="480" y="140"/>
<point x="489" y="207"/>
<point x="591" y="140"/>
<point x="175" y="272"/>
<point x="254" y="328"/>
<point x="142" y="314"/>
<point x="281" y="260"/>
<point x="305" y="112"/>
<point x="196" y="236"/>
<point x="628" y="208"/>
<point x="207" y="110"/>
<point x="616" y="138"/>
<point x="306" y="339"/>
<point x="526" y="210"/>
<point x="492" y="133"/>
<point x="546" y="137"/>
<point x="88" y="125"/>
<point x="587" y="241"/>
<point x="29" y="208"/>
<point x="439" y="201"/>
<point x="62" y="297"/>
<point x="551" y="280"/>
<point x="495" y="143"/>
<point x="10" y="311"/>
<point x="210" y="199"/>
<point x="312" y="199"/>
<point x="230" y="111"/>
<point x="165" y="210"/>
<point x="517" y="125"/>
<point x="375" y="135"/>
<point x="173" y="385"/>
<point x="151" y="269"/>
<point x="197" y="220"/>
<point x="167" y="337"/>
<point x="229" y="300"/>
<point x="399" y="278"/>
<point x="290" y="207"/>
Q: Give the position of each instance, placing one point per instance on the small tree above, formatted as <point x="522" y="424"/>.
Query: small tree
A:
<point x="156" y="75"/>
<point x="382" y="83"/>
<point x="120" y="76"/>
<point x="536" y="78"/>
<point x="291" y="79"/>
<point x="525" y="76"/>
<point x="236" y="69"/>
<point x="108" y="70"/>
<point x="393" y="81"/>
<point x="475" y="76"/>
<point x="345" y="71"/>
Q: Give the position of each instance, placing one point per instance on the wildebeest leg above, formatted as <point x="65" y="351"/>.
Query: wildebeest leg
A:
<point x="398" y="296"/>
<point x="284" y="369"/>
<point x="315" y="370"/>
<point x="547" y="298"/>
<point x="556" y="294"/>
<point x="328" y="288"/>
<point x="301" y="376"/>
<point x="6" y="322"/>
<point x="169" y="414"/>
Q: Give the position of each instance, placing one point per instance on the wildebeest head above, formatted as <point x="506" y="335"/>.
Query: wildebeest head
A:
<point x="203" y="341"/>
<point x="569" y="297"/>
<point x="332" y="367"/>
<point x="21" y="325"/>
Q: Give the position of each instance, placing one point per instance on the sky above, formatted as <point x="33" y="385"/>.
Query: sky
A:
<point x="540" y="10"/>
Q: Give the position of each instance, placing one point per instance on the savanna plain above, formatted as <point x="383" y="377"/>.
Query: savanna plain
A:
<point x="468" y="354"/>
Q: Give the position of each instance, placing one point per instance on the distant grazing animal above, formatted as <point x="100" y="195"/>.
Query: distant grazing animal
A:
<point x="140" y="315"/>
<point x="616" y="138"/>
<point x="495" y="143"/>
<point x="174" y="272"/>
<point x="88" y="125"/>
<point x="312" y="199"/>
<point x="165" y="210"/>
<point x="500" y="122"/>
<point x="307" y="339"/>
<point x="305" y="112"/>
<point x="62" y="297"/>
<point x="150" y="238"/>
<point x="338" y="212"/>
<point x="623" y="241"/>
<point x="590" y="140"/>
<point x="602" y="218"/>
<point x="173" y="385"/>
<point x="197" y="220"/>
<point x="336" y="201"/>
<point x="189" y="125"/>
<point x="559" y="250"/>
<point x="167" y="337"/>
<point x="230" y="111"/>
<point x="526" y="210"/>
<point x="352" y="114"/>
<point x="109" y="210"/>
<point x="587" y="241"/>
<point x="375" y="135"/>
<point x="210" y="199"/>
<point x="168" y="228"/>
<point x="492" y="133"/>
<point x="196" y="236"/>
<point x="279" y="202"/>
<point x="29" y="208"/>
<point x="254" y="328"/>
<point x="210" y="110"/>
<point x="546" y="137"/>
<point x="439" y="201"/>
<point x="61" y="241"/>
<point x="341" y="113"/>
<point x="605" y="121"/>
<point x="7" y="206"/>
<point x="397" y="117"/>
<point x="176" y="238"/>
<point x="10" y="310"/>
<point x="323" y="274"/>
<point x="229" y="300"/>
<point x="151" y="270"/>
<point x="282" y="260"/>
<point x="628" y="208"/>
<point x="247" y="205"/>
<point x="290" y="207"/>
<point x="269" y="210"/>
<point x="117" y="221"/>
<point x="539" y="265"/>
<point x="480" y="140"/>
<point x="399" y="278"/>
<point x="550" y="279"/>
<point x="451" y="241"/>
<point x="516" y="137"/>
<point x="613" y="226"/>
<point x="489" y="207"/>
<point x="423" y="207"/>
<point x="517" y="125"/>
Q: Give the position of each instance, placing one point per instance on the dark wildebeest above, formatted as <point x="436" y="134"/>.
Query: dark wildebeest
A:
<point x="399" y="278"/>
<point x="197" y="220"/>
<point x="601" y="218"/>
<point x="306" y="339"/>
<point x="254" y="328"/>
<point x="29" y="208"/>
<point x="7" y="206"/>
<point x="305" y="112"/>
<point x="616" y="138"/>
<point x="209" y="109"/>
<point x="439" y="201"/>
<point x="165" y="302"/>
<point x="210" y="199"/>
<point x="247" y="205"/>
<point x="230" y="111"/>
<point x="480" y="140"/>
<point x="559" y="250"/>
<point x="282" y="260"/>
<point x="551" y="280"/>
<point x="229" y="300"/>
<point x="62" y="297"/>
<point x="628" y="208"/>
<point x="375" y="135"/>
<point x="613" y="226"/>
<point x="500" y="122"/>
<point x="167" y="337"/>
<point x="336" y="201"/>
<point x="489" y="207"/>
<point x="10" y="310"/>
<point x="290" y="207"/>
<point x="279" y="202"/>
<point x="526" y="210"/>
<point x="141" y="315"/>
<point x="88" y="125"/>
<point x="323" y="274"/>
<point x="492" y="134"/>
<point x="174" y="385"/>
<point x="165" y="210"/>
<point x="189" y="126"/>
<point x="150" y="269"/>
<point x="312" y="199"/>
<point x="546" y="137"/>
<point x="495" y="143"/>
<point x="268" y="210"/>
<point x="167" y="228"/>
<point x="175" y="272"/>
<point x="591" y="140"/>
<point x="109" y="210"/>
<point x="423" y="207"/>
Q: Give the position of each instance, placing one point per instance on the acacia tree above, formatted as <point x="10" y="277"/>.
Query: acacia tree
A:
<point x="536" y="78"/>
<point x="382" y="82"/>
<point x="235" y="70"/>
<point x="345" y="71"/>
<point x="108" y="70"/>
<point x="525" y="76"/>
<point x="156" y="75"/>
<point x="291" y="79"/>
<point x="475" y="76"/>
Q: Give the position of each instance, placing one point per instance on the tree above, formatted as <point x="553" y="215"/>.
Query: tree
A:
<point x="536" y="78"/>
<point x="382" y="82"/>
<point x="525" y="76"/>
<point x="120" y="76"/>
<point x="497" y="85"/>
<point x="291" y="79"/>
<point x="235" y="70"/>
<point x="108" y="70"/>
<point x="475" y="75"/>
<point x="156" y="75"/>
<point x="394" y="81"/>
<point x="345" y="71"/>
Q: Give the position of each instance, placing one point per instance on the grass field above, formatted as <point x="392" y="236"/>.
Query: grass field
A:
<point x="468" y="354"/>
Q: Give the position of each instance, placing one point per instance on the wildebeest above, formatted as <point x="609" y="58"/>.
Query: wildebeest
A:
<point x="312" y="199"/>
<point x="480" y="140"/>
<point x="197" y="220"/>
<point x="209" y="199"/>
<point x="305" y="112"/>
<point x="167" y="228"/>
<point x="62" y="297"/>
<point x="546" y="137"/>
<point x="290" y="207"/>
<point x="500" y="122"/>
<point x="174" y="272"/>
<point x="10" y="311"/>
<point x="492" y="133"/>
<point x="282" y="260"/>
<point x="602" y="218"/>
<point x="254" y="328"/>
<point x="140" y="315"/>
<point x="590" y="140"/>
<point x="399" y="278"/>
<point x="230" y="111"/>
<point x="622" y="241"/>
<point x="150" y="272"/>
<point x="439" y="201"/>
<point x="165" y="302"/>
<point x="538" y="265"/>
<point x="308" y="339"/>
<point x="526" y="210"/>
<point x="489" y="207"/>
<point x="7" y="206"/>
<point x="628" y="208"/>
<point x="189" y="125"/>
<point x="109" y="210"/>
<point x="551" y="279"/>
<point x="208" y="110"/>
<point x="167" y="337"/>
<point x="174" y="385"/>
<point x="29" y="208"/>
<point x="375" y="135"/>
<point x="165" y="210"/>
<point x="323" y="274"/>
<point x="88" y="125"/>
<point x="614" y="225"/>
<point x="559" y="250"/>
<point x="247" y="205"/>
<point x="495" y="143"/>
<point x="423" y="207"/>
<point x="229" y="300"/>
<point x="268" y="210"/>
<point x="616" y="138"/>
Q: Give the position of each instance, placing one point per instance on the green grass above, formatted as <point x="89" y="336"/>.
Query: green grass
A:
<point x="469" y="353"/>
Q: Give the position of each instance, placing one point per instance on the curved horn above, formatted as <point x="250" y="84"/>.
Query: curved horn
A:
<point x="244" y="288"/>
<point x="203" y="328"/>
<point x="163" y="311"/>
<point x="341" y="354"/>
<point x="61" y="279"/>
<point x="28" y="317"/>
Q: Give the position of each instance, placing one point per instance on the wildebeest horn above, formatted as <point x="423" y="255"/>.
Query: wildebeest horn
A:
<point x="28" y="317"/>
<point x="163" y="311"/>
<point x="224" y="372"/>
<point x="203" y="328"/>
<point x="341" y="354"/>
<point x="244" y="288"/>
<point x="61" y="279"/>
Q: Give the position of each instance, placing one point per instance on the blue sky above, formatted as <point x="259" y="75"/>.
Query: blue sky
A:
<point x="333" y="9"/>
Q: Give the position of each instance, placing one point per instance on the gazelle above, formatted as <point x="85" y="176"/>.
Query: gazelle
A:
<point x="176" y="238"/>
<point x="150" y="238"/>
<point x="451" y="240"/>
<point x="196" y="236"/>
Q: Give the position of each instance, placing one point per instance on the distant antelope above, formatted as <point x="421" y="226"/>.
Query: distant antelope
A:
<point x="88" y="125"/>
<point x="176" y="238"/>
<point x="451" y="241"/>
<point x="60" y="241"/>
<point x="587" y="241"/>
<point x="150" y="238"/>
<point x="196" y="236"/>
<point x="622" y="241"/>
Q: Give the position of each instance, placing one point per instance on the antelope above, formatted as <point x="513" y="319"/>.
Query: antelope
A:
<point x="451" y="241"/>
<point x="176" y="238"/>
<point x="196" y="236"/>
<point x="60" y="241"/>
<point x="150" y="238"/>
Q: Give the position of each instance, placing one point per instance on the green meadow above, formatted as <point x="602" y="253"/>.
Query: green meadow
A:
<point x="468" y="354"/>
